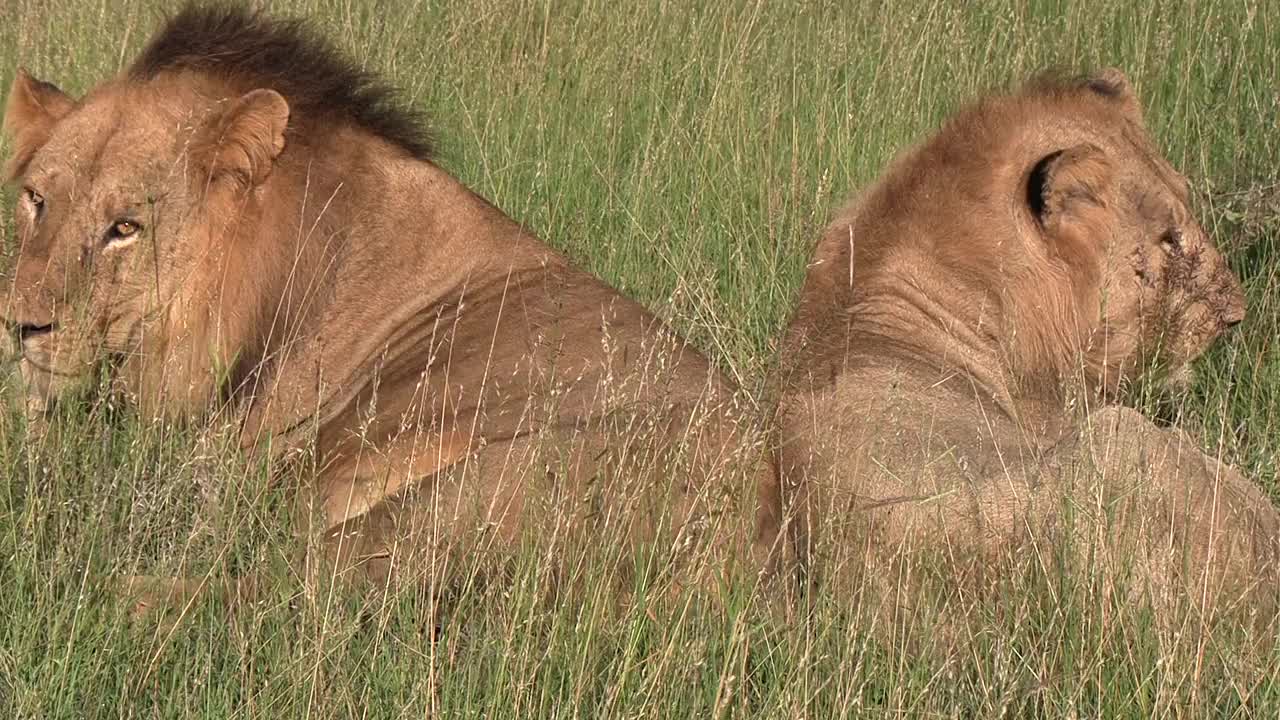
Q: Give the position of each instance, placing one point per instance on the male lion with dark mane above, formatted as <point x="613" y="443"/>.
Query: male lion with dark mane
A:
<point x="952" y="366"/>
<point x="244" y="224"/>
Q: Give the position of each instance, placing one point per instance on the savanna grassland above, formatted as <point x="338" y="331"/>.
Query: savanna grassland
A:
<point x="688" y="153"/>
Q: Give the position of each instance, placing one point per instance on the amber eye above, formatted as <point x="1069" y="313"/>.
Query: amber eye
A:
<point x="1171" y="240"/>
<point x="35" y="198"/>
<point x="121" y="229"/>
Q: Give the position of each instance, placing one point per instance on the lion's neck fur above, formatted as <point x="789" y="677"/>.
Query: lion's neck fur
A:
<point x="910" y="316"/>
<point x="367" y="235"/>
<point x="936" y="264"/>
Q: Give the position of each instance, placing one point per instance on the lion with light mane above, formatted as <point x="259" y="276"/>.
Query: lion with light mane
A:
<point x="964" y="327"/>
<point x="244" y="222"/>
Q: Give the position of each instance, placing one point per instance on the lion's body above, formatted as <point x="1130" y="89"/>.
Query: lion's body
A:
<point x="962" y="329"/>
<point x="307" y="269"/>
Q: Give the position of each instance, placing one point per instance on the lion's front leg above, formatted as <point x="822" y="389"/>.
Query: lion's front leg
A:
<point x="213" y="467"/>
<point x="149" y="594"/>
<point x="1205" y="526"/>
<point x="357" y="507"/>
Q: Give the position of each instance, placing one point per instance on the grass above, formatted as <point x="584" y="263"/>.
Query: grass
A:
<point x="688" y="153"/>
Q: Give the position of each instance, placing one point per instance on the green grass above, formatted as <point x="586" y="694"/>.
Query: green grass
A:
<point x="688" y="153"/>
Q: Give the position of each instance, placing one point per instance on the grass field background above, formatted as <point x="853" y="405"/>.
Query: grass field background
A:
<point x="688" y="153"/>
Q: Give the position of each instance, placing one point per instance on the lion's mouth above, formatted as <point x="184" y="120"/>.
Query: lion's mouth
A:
<point x="46" y="368"/>
<point x="29" y="342"/>
<point x="30" y="331"/>
<point x="36" y="353"/>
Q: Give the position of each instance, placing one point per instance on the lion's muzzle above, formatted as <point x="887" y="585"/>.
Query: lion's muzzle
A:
<point x="32" y="331"/>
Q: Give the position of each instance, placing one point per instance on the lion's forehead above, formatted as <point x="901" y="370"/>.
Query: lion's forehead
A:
<point x="1157" y="204"/>
<point x="109" y="150"/>
<point x="1154" y="171"/>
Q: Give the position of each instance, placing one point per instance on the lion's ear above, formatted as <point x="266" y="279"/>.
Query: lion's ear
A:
<point x="1112" y="84"/>
<point x="243" y="142"/>
<point x="34" y="107"/>
<point x="1063" y="182"/>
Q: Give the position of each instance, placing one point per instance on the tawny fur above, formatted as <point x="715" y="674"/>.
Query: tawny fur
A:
<point x="962" y="329"/>
<point x="305" y="269"/>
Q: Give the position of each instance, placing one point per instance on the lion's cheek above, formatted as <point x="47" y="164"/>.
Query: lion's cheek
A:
<point x="1190" y="334"/>
<point x="1112" y="353"/>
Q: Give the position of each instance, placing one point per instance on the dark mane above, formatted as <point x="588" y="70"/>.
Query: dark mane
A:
<point x="288" y="56"/>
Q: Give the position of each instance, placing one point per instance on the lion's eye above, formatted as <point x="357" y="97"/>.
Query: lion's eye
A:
<point x="35" y="198"/>
<point x="122" y="229"/>
<point x="1171" y="240"/>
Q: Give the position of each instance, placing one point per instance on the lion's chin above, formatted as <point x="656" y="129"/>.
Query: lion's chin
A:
<point x="37" y="389"/>
<point x="41" y="387"/>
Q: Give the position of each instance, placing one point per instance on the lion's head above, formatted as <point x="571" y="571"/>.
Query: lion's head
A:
<point x="1047" y="223"/>
<point x="117" y="221"/>
<point x="1149" y="285"/>
<point x="148" y="234"/>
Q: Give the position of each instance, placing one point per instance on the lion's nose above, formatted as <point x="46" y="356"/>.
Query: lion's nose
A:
<point x="1233" y="305"/>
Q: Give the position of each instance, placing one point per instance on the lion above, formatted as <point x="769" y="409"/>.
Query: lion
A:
<point x="965" y="328"/>
<point x="244" y="226"/>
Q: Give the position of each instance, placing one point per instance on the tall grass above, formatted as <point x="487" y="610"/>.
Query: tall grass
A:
<point x="688" y="153"/>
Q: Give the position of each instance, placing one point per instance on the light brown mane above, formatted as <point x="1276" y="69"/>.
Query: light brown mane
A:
<point x="973" y="174"/>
